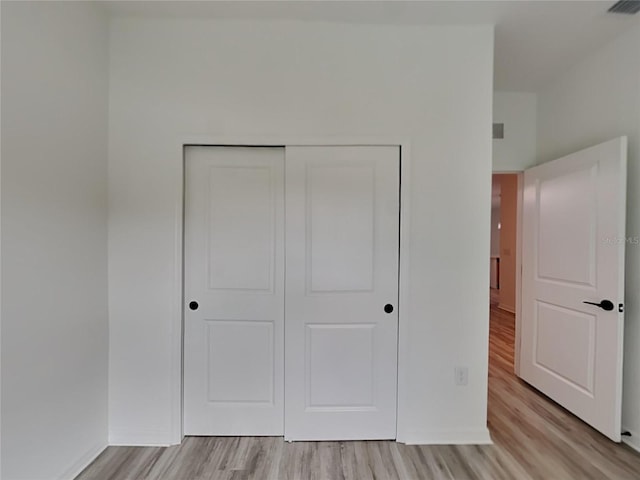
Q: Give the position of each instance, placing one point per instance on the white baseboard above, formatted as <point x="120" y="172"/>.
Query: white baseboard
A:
<point x="506" y="308"/>
<point x="633" y="441"/>
<point x="129" y="438"/>
<point x="447" y="437"/>
<point x="83" y="462"/>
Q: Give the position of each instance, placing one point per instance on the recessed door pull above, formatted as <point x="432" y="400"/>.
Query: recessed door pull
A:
<point x="604" y="304"/>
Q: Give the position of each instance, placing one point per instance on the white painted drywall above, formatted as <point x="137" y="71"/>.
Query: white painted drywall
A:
<point x="596" y="100"/>
<point x="172" y="78"/>
<point x="54" y="232"/>
<point x="517" y="150"/>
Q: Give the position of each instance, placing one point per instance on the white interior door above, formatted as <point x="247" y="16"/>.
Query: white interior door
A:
<point x="573" y="252"/>
<point x="234" y="270"/>
<point x="342" y="214"/>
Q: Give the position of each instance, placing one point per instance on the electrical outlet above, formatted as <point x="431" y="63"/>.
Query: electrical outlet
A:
<point x="461" y="376"/>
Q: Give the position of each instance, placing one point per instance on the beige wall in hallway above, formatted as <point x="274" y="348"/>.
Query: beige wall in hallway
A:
<point x="508" y="221"/>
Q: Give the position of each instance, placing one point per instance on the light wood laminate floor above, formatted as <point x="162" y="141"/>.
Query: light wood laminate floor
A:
<point x="534" y="439"/>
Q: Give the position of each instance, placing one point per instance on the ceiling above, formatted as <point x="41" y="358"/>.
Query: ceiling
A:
<point x="535" y="39"/>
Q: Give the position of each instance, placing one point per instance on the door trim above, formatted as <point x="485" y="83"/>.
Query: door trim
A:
<point x="177" y="325"/>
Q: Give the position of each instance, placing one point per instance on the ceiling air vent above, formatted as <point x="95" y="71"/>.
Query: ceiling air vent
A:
<point x="630" y="7"/>
<point x="498" y="130"/>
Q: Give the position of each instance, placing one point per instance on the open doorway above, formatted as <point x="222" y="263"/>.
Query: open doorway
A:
<point x="504" y="220"/>
<point x="503" y="259"/>
<point x="556" y="278"/>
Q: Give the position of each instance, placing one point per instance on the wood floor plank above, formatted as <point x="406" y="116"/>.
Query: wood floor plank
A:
<point x="534" y="439"/>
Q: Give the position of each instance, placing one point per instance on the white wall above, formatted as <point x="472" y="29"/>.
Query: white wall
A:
<point x="596" y="100"/>
<point x="172" y="78"/>
<point x="54" y="231"/>
<point x="517" y="150"/>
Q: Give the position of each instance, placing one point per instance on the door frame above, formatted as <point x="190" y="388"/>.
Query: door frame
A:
<point x="177" y="325"/>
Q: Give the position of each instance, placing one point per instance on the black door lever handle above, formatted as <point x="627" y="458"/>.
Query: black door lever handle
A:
<point x="604" y="304"/>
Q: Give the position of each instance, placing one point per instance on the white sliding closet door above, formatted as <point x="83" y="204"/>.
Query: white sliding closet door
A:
<point x="234" y="271"/>
<point x="342" y="220"/>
